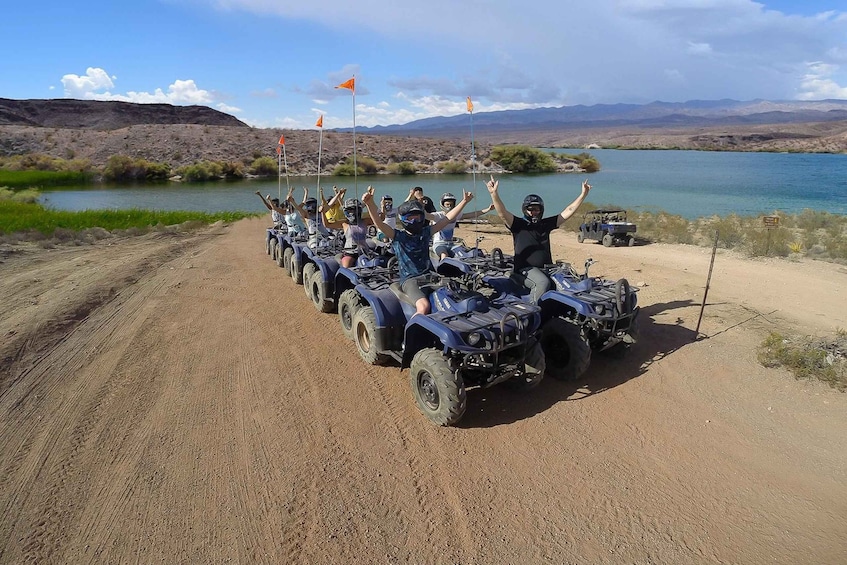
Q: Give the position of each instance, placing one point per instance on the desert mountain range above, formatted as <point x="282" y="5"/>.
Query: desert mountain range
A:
<point x="178" y="135"/>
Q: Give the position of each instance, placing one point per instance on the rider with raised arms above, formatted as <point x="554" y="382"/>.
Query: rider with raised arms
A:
<point x="531" y="235"/>
<point x="410" y="241"/>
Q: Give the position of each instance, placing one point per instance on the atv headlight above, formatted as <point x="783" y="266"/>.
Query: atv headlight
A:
<point x="474" y="339"/>
<point x="599" y="309"/>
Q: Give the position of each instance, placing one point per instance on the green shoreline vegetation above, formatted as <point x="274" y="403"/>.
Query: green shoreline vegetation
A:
<point x="38" y="170"/>
<point x="22" y="217"/>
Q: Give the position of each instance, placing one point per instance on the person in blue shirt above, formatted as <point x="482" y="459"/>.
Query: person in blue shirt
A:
<point x="531" y="235"/>
<point x="410" y="241"/>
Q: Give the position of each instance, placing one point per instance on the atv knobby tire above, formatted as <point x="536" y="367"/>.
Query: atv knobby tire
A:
<point x="566" y="349"/>
<point x="534" y="367"/>
<point x="308" y="270"/>
<point x="268" y="245"/>
<point x="348" y="304"/>
<point x="580" y="237"/>
<point x="364" y="333"/>
<point x="287" y="256"/>
<point x="438" y="391"/>
<point x="608" y="240"/>
<point x="316" y="285"/>
<point x="294" y="269"/>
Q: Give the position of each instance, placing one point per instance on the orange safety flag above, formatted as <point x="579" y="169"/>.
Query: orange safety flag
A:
<point x="320" y="122"/>
<point x="278" y="150"/>
<point x="348" y="84"/>
<point x="470" y="105"/>
<point x="282" y="140"/>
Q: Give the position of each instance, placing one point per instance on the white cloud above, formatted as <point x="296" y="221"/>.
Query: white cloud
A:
<point x="96" y="85"/>
<point x="699" y="48"/>
<point x="80" y="86"/>
<point x="818" y="83"/>
<point x="228" y="109"/>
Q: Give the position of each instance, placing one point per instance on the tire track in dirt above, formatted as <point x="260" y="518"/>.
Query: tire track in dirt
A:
<point x="431" y="482"/>
<point x="51" y="456"/>
<point x="430" y="489"/>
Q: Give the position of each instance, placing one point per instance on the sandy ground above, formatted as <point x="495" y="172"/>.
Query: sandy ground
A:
<point x="175" y="399"/>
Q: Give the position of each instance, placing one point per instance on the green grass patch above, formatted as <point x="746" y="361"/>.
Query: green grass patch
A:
<point x="808" y="358"/>
<point x="22" y="216"/>
<point x="32" y="178"/>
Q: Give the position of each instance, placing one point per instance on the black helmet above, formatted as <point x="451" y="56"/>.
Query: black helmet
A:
<point x="409" y="208"/>
<point x="352" y="209"/>
<point x="532" y="200"/>
<point x="447" y="196"/>
<point x="311" y="205"/>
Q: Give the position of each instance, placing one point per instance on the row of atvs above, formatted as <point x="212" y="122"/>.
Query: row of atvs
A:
<point x="482" y="330"/>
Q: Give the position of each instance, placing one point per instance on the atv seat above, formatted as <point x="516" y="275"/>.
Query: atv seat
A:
<point x="426" y="288"/>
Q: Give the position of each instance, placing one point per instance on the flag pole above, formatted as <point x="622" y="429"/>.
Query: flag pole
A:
<point x="320" y="125"/>
<point x="350" y="84"/>
<point x="355" y="165"/>
<point x="473" y="149"/>
<point x="473" y="172"/>
<point x="280" y="158"/>
<point x="285" y="162"/>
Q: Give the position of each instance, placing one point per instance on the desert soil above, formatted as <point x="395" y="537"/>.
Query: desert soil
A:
<point x="174" y="398"/>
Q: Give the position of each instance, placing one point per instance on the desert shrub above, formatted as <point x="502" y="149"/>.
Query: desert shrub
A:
<point x="232" y="169"/>
<point x="730" y="231"/>
<point x="202" y="171"/>
<point x="124" y="168"/>
<point x="264" y="166"/>
<point x="368" y="165"/>
<point x="364" y="166"/>
<point x="522" y="159"/>
<point x="402" y="168"/>
<point x="586" y="161"/>
<point x="808" y="358"/>
<point x="811" y="220"/>
<point x="759" y="241"/>
<point x="663" y="227"/>
<point x="453" y="167"/>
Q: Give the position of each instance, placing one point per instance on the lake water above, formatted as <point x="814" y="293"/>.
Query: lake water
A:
<point x="688" y="183"/>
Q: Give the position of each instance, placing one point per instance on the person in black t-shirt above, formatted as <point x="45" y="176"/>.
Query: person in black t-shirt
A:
<point x="416" y="193"/>
<point x="531" y="235"/>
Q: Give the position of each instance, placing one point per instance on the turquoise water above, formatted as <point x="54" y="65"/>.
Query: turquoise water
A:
<point x="688" y="183"/>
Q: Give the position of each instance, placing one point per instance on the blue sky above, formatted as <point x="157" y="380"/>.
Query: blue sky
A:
<point x="274" y="63"/>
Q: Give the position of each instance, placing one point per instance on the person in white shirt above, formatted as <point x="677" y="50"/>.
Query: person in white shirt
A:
<point x="442" y="241"/>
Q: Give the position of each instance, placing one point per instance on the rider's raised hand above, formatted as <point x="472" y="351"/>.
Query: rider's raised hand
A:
<point x="492" y="185"/>
<point x="368" y="196"/>
<point x="468" y="196"/>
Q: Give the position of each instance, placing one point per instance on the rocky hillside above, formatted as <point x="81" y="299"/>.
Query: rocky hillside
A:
<point x="106" y="115"/>
<point x="180" y="145"/>
<point x="178" y="136"/>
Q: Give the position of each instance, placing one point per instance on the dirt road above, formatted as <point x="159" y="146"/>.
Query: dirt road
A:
<point x="174" y="398"/>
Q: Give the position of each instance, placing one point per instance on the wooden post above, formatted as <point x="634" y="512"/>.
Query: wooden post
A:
<point x="708" y="280"/>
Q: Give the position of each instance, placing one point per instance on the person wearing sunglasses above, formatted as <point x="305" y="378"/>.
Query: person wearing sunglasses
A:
<point x="531" y="235"/>
<point x="410" y="240"/>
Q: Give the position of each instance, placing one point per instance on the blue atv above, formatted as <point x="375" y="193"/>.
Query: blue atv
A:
<point x="608" y="226"/>
<point x="580" y="314"/>
<point x="347" y="286"/>
<point x="321" y="271"/>
<point x="301" y="255"/>
<point x="271" y="241"/>
<point x="283" y="251"/>
<point x="468" y="340"/>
